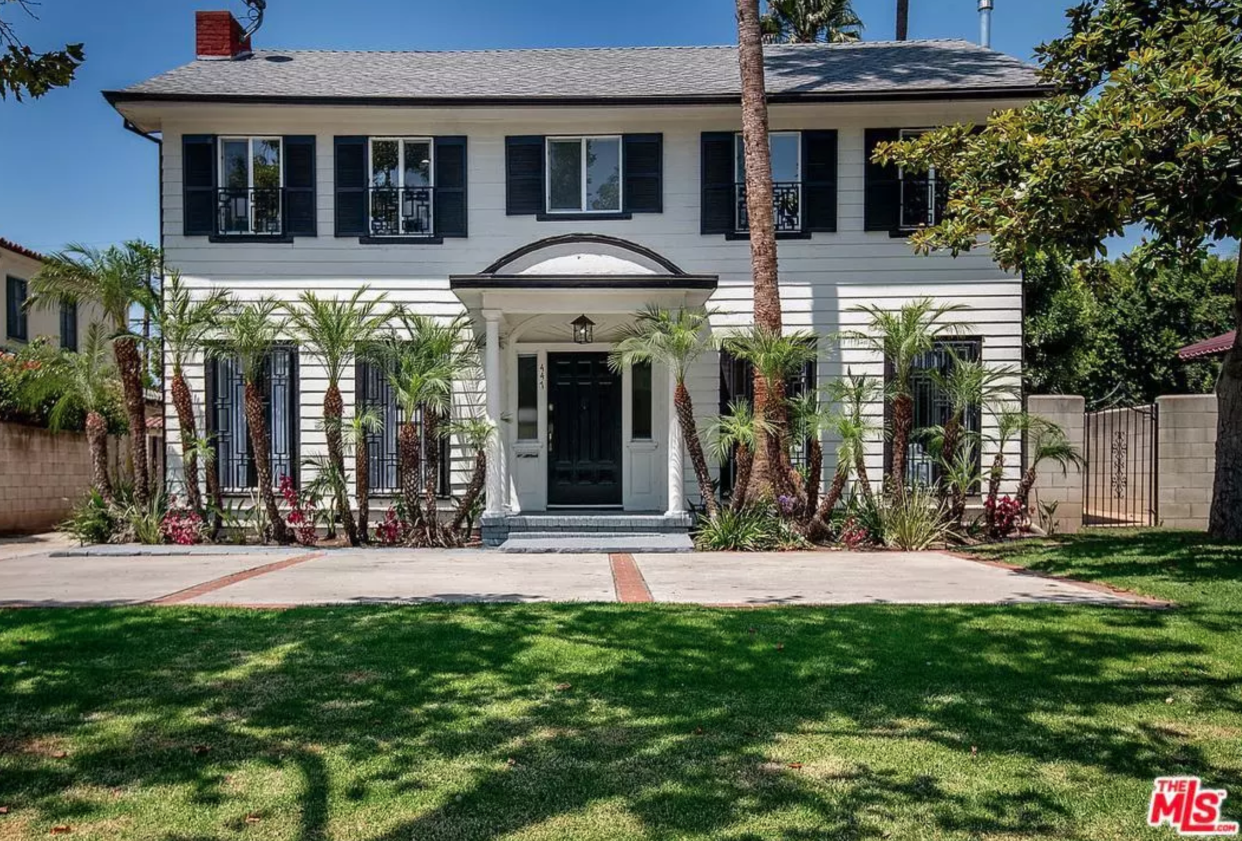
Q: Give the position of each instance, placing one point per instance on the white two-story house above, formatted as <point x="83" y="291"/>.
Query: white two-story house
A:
<point x="533" y="189"/>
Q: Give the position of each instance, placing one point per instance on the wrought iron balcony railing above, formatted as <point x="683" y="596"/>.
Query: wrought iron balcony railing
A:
<point x="402" y="212"/>
<point x="786" y="206"/>
<point x="250" y="211"/>
<point x="922" y="201"/>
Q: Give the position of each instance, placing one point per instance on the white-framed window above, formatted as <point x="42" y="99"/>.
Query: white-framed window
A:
<point x="584" y="174"/>
<point x="922" y="195"/>
<point x="402" y="186"/>
<point x="252" y="180"/>
<point x="786" y="150"/>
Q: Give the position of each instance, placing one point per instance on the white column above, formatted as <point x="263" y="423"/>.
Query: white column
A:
<point x="676" y="486"/>
<point x="492" y="376"/>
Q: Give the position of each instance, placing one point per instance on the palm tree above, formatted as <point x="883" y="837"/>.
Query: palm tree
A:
<point x="475" y="434"/>
<point x="677" y="340"/>
<point x="185" y="322"/>
<point x="1011" y="421"/>
<point x="854" y="393"/>
<point x="248" y="333"/>
<point x="758" y="166"/>
<point x="901" y="338"/>
<point x="734" y="435"/>
<point x="83" y="382"/>
<point x="903" y="19"/>
<point x="116" y="280"/>
<point x="1046" y="441"/>
<point x="971" y="385"/>
<point x="807" y="422"/>
<point x="203" y="450"/>
<point x="365" y="422"/>
<point x="808" y="21"/>
<point x="331" y="330"/>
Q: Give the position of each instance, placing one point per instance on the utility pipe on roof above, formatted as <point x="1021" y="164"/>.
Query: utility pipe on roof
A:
<point x="985" y="23"/>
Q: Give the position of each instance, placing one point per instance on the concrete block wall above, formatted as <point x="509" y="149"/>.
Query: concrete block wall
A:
<point x="43" y="475"/>
<point x="1186" y="460"/>
<point x="1051" y="484"/>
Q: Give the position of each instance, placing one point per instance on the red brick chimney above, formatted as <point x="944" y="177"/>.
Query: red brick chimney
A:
<point x="220" y="37"/>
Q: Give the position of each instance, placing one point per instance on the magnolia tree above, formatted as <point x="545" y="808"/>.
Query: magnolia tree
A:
<point x="1140" y="128"/>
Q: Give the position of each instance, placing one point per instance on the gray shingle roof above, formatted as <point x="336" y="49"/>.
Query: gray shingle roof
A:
<point x="794" y="71"/>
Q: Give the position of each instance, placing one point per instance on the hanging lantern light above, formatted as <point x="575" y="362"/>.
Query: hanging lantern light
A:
<point x="584" y="330"/>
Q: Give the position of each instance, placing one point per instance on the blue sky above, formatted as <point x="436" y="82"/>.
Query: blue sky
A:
<point x="70" y="173"/>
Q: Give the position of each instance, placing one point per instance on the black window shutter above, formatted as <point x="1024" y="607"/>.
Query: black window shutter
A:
<point x="883" y="184"/>
<point x="351" y="187"/>
<point x="819" y="180"/>
<point x="718" y="194"/>
<point x="524" y="175"/>
<point x="642" y="162"/>
<point x="300" y="209"/>
<point x="198" y="178"/>
<point x="450" y="192"/>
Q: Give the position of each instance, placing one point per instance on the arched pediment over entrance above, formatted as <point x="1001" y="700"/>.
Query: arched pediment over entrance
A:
<point x="584" y="254"/>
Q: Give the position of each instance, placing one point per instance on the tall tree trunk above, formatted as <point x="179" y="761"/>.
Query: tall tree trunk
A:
<point x="409" y="453"/>
<point x="745" y="459"/>
<point x="1225" y="520"/>
<point x="362" y="486"/>
<point x="903" y="19"/>
<point x="97" y="440"/>
<point x="821" y="521"/>
<point x="864" y="481"/>
<point x="690" y="434"/>
<point x="217" y="498"/>
<point x="129" y="361"/>
<point x="814" y="474"/>
<point x="333" y="411"/>
<point x="431" y="433"/>
<point x="184" y="405"/>
<point x="473" y="491"/>
<point x="1024" y="489"/>
<point x="758" y="160"/>
<point x="903" y="422"/>
<point x="994" y="480"/>
<point x="260" y="443"/>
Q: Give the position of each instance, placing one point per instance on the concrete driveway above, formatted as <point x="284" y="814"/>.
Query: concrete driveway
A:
<point x="270" y="577"/>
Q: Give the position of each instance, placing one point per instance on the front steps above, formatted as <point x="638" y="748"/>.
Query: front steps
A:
<point x="588" y="532"/>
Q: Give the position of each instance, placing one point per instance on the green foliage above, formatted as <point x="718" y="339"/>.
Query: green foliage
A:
<point x="808" y="21"/>
<point x="901" y="337"/>
<point x="755" y="528"/>
<point x="674" y="338"/>
<point x="185" y="320"/>
<point x="332" y="329"/>
<point x="913" y="522"/>
<point x="248" y="333"/>
<point x="92" y="521"/>
<point x="24" y="72"/>
<point x="116" y="279"/>
<point x="143" y="523"/>
<point x="41" y="385"/>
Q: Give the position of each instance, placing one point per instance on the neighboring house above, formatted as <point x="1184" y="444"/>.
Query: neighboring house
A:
<point x="63" y="324"/>
<point x="1215" y="347"/>
<point x="529" y="188"/>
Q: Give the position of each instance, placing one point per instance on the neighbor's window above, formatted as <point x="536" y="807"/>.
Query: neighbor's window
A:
<point x="251" y="199"/>
<point x="402" y="191"/>
<point x="227" y="418"/>
<point x="786" y="150"/>
<point x="528" y="398"/>
<point x="923" y="196"/>
<point x="16" y="325"/>
<point x="640" y="377"/>
<point x="584" y="174"/>
<point x="69" y="326"/>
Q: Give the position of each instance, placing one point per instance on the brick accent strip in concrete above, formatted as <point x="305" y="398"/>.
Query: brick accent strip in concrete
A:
<point x="628" y="580"/>
<point x="182" y="596"/>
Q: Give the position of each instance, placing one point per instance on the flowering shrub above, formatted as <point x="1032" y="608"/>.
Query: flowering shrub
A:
<point x="182" y="526"/>
<point x="854" y="535"/>
<point x="391" y="531"/>
<point x="301" y="519"/>
<point x="1004" y="516"/>
<point x="787" y="504"/>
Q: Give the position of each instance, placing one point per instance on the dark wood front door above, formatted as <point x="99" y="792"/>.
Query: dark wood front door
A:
<point x="584" y="430"/>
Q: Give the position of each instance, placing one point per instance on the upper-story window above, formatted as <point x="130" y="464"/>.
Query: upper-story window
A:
<point x="923" y="196"/>
<point x="897" y="201"/>
<point x="786" y="148"/>
<point x="584" y="174"/>
<point x="251" y="186"/>
<point x="402" y="189"/>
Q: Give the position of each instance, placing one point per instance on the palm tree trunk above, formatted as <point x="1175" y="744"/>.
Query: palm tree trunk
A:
<point x="129" y="361"/>
<point x="1225" y="519"/>
<point x="1024" y="489"/>
<point x="903" y="20"/>
<point x="333" y="410"/>
<point x="864" y="481"/>
<point x="97" y="440"/>
<point x="362" y="486"/>
<point x="690" y="434"/>
<point x="473" y="491"/>
<point x="745" y="459"/>
<point x="814" y="474"/>
<point x="994" y="480"/>
<point x="409" y="452"/>
<point x="184" y="405"/>
<point x="217" y="498"/>
<point x="903" y="421"/>
<point x="820" y="522"/>
<point x="431" y="430"/>
<point x="952" y="437"/>
<point x="260" y="443"/>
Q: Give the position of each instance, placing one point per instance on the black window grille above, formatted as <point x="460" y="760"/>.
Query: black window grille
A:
<point x="932" y="408"/>
<point x="69" y="326"/>
<point x="16" y="324"/>
<point x="737" y="382"/>
<point x="230" y="432"/>
<point x="374" y="392"/>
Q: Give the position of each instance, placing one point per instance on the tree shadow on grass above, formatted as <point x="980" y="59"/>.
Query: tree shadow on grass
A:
<point x="473" y="722"/>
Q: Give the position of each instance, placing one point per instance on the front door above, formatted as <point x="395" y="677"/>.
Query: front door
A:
<point x="584" y="430"/>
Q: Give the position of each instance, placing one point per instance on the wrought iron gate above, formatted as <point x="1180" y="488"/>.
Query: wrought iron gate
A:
<point x="1120" y="481"/>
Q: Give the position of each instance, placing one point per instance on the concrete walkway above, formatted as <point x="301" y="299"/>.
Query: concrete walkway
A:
<point x="287" y="577"/>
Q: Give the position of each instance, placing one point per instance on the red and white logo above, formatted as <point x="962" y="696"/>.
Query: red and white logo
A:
<point x="1184" y="804"/>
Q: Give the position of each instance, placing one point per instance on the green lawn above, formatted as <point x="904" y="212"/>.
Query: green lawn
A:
<point x="456" y="722"/>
